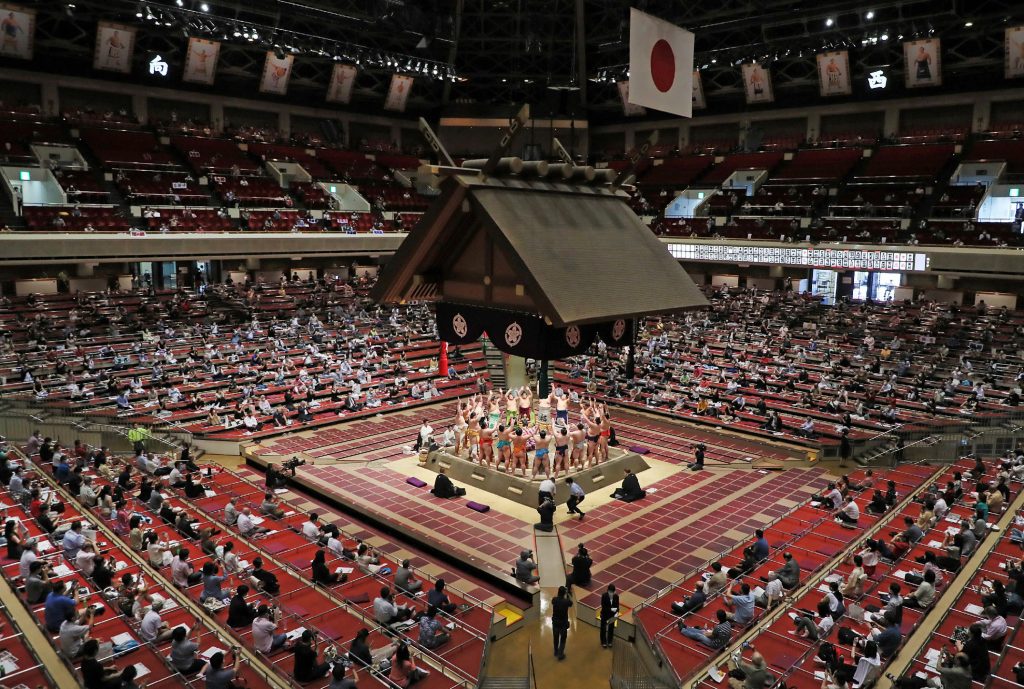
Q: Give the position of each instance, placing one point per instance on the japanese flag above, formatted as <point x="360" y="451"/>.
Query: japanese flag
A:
<point x="660" y="65"/>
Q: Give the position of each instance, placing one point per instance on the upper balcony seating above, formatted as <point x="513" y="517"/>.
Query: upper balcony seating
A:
<point x="917" y="162"/>
<point x="818" y="165"/>
<point x="741" y="161"/>
<point x="219" y="156"/>
<point x="128" y="149"/>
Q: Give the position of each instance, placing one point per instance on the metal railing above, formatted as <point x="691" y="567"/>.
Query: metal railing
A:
<point x="629" y="670"/>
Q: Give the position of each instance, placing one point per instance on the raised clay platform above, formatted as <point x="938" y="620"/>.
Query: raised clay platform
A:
<point x="604" y="477"/>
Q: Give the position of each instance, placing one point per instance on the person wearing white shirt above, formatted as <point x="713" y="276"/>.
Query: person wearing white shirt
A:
<point x="28" y="556"/>
<point x="311" y="528"/>
<point x="941" y="508"/>
<point x="174" y="478"/>
<point x="546" y="490"/>
<point x="834" y="497"/>
<point x="87" y="494"/>
<point x="85" y="560"/>
<point x="247" y="525"/>
<point x="426" y="430"/>
<point x="264" y="627"/>
<point x="848" y="513"/>
<point x="153" y="629"/>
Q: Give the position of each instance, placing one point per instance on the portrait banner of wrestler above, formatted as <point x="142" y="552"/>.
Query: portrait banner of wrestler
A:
<point x="757" y="83"/>
<point x="922" y="63"/>
<point x="115" y="44"/>
<point x="201" y="61"/>
<point x="17" y="31"/>
<point x="276" y="73"/>
<point x="629" y="109"/>
<point x="343" y="78"/>
<point x="1014" y="52"/>
<point x="834" y="73"/>
<point x="698" y="92"/>
<point x="398" y="94"/>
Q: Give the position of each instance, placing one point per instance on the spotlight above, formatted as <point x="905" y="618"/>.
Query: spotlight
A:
<point x="829" y="22"/>
<point x="714" y="60"/>
<point x="885" y="37"/>
<point x="870" y="15"/>
<point x="204" y="7"/>
<point x="180" y="3"/>
<point x="968" y="25"/>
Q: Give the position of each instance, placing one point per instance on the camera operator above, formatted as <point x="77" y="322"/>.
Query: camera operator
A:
<point x="275" y="478"/>
<point x="307" y="667"/>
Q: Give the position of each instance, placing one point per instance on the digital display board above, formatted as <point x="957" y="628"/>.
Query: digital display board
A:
<point x="852" y="259"/>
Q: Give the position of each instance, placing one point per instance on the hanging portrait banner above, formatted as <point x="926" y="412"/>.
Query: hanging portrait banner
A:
<point x="17" y="31"/>
<point x="276" y="73"/>
<point x="757" y="83"/>
<point x="834" y="73"/>
<point x="629" y="109"/>
<point x="201" y="61"/>
<point x="343" y="78"/>
<point x="922" y="63"/>
<point x="115" y="44"/>
<point x="1014" y="52"/>
<point x="699" y="103"/>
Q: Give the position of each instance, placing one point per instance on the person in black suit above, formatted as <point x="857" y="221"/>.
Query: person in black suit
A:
<point x="444" y="488"/>
<point x="630" y="490"/>
<point x="547" y="515"/>
<point x="609" y="611"/>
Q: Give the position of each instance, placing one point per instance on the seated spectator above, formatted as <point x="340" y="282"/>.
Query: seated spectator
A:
<point x="321" y="574"/>
<point x="716" y="638"/>
<point x="925" y="593"/>
<point x="241" y="613"/>
<point x="212" y="584"/>
<point x="263" y="580"/>
<point x="432" y="635"/>
<point x="437" y="598"/>
<point x="813" y="628"/>
<point x="993" y="628"/>
<point x="405" y="580"/>
<point x="788" y="574"/>
<point x="692" y="603"/>
<point x="741" y="604"/>
<point x="404" y="672"/>
<point x="386" y="612"/>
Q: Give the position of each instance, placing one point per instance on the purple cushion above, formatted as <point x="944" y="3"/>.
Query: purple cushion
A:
<point x="640" y="450"/>
<point x="413" y="481"/>
<point x="478" y="507"/>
